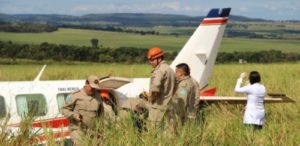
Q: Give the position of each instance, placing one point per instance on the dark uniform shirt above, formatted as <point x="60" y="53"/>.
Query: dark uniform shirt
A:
<point x="184" y="98"/>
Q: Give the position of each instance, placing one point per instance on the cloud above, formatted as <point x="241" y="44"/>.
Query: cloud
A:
<point x="171" y="6"/>
<point x="108" y="8"/>
<point x="81" y="8"/>
<point x="243" y="9"/>
<point x="271" y="7"/>
<point x="16" y="10"/>
<point x="282" y="7"/>
<point x="167" y="7"/>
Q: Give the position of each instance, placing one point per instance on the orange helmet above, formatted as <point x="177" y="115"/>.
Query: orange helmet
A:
<point x="104" y="94"/>
<point x="154" y="53"/>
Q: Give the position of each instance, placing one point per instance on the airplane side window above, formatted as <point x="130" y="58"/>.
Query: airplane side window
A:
<point x="61" y="97"/>
<point x="2" y="107"/>
<point x="31" y="104"/>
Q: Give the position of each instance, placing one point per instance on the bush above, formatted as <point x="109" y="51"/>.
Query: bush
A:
<point x="46" y="51"/>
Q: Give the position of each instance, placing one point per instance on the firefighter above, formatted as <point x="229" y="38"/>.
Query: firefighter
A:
<point x="162" y="85"/>
<point x="82" y="107"/>
<point x="186" y="91"/>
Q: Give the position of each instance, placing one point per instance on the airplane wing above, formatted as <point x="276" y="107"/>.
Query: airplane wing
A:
<point x="270" y="98"/>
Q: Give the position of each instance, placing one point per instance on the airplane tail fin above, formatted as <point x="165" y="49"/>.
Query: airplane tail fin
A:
<point x="201" y="50"/>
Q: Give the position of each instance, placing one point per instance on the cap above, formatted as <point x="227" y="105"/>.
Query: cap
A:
<point x="93" y="81"/>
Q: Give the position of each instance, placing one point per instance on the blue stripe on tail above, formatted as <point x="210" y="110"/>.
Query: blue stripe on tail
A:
<point x="215" y="13"/>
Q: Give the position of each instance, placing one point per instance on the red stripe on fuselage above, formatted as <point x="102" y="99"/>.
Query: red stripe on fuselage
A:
<point x="52" y="123"/>
<point x="214" y="21"/>
<point x="48" y="123"/>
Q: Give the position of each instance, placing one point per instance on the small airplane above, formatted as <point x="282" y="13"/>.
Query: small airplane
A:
<point x="45" y="98"/>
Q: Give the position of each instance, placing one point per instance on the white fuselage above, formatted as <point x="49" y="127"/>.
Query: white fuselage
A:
<point x="52" y="91"/>
<point x="49" y="96"/>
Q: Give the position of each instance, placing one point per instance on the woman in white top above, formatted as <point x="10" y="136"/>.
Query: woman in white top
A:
<point x="255" y="112"/>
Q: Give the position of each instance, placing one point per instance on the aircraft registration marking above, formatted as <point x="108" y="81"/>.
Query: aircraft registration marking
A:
<point x="68" y="89"/>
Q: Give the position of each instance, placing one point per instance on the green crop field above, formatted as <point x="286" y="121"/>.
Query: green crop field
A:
<point x="106" y="38"/>
<point x="169" y="43"/>
<point x="239" y="44"/>
<point x="221" y="123"/>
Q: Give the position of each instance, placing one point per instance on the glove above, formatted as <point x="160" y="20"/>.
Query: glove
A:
<point x="144" y="95"/>
<point x="243" y="75"/>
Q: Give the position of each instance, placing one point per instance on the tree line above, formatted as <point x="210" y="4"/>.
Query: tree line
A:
<point x="258" y="57"/>
<point x="26" y="27"/>
<point x="112" y="29"/>
<point x="55" y="52"/>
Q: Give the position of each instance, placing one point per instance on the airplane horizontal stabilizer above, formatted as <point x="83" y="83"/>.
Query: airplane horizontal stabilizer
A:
<point x="270" y="98"/>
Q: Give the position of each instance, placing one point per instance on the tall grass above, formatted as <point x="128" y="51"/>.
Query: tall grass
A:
<point x="220" y="124"/>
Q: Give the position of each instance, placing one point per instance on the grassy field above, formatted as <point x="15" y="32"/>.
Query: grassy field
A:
<point x="283" y="29"/>
<point x="276" y="29"/>
<point x="107" y="39"/>
<point x="221" y="124"/>
<point x="169" y="43"/>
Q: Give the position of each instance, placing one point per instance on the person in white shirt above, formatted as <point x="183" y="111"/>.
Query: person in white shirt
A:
<point x="255" y="113"/>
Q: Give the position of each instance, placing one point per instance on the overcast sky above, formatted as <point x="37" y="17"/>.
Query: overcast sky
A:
<point x="268" y="9"/>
